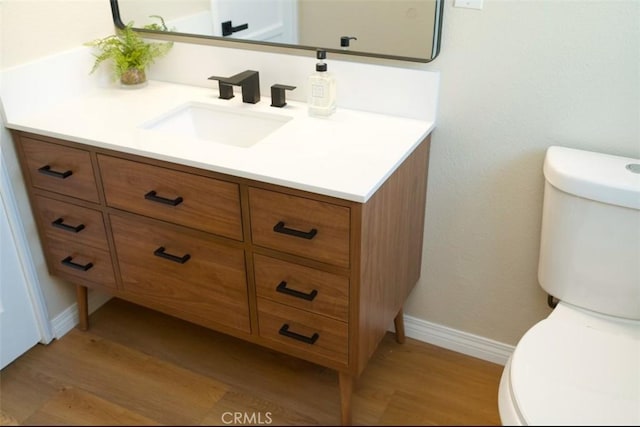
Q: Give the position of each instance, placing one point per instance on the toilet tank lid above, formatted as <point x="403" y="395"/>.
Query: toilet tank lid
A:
<point x="602" y="177"/>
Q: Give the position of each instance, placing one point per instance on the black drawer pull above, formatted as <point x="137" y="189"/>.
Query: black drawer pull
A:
<point x="284" y="330"/>
<point x="59" y="223"/>
<point x="151" y="195"/>
<point x="162" y="254"/>
<point x="68" y="263"/>
<point x="282" y="288"/>
<point x="48" y="171"/>
<point x="280" y="228"/>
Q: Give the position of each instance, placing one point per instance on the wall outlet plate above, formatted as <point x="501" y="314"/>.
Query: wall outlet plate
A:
<point x="469" y="4"/>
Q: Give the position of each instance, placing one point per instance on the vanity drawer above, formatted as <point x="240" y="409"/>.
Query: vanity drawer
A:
<point x="186" y="275"/>
<point x="302" y="287"/>
<point x="73" y="259"/>
<point x="60" y="169"/>
<point x="307" y="333"/>
<point x="191" y="200"/>
<point x="300" y="226"/>
<point x="69" y="222"/>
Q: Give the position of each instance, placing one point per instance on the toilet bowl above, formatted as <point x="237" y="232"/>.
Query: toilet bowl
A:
<point x="581" y="365"/>
<point x="574" y="368"/>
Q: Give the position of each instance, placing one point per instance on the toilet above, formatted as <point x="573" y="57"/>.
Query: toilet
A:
<point x="581" y="365"/>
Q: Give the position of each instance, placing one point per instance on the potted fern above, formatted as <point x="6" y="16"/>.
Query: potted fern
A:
<point x="130" y="54"/>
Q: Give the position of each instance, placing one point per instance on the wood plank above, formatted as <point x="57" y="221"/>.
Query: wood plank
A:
<point x="128" y="378"/>
<point x="237" y="407"/>
<point x="24" y="388"/>
<point x="7" y="420"/>
<point x="451" y="388"/>
<point x="72" y="406"/>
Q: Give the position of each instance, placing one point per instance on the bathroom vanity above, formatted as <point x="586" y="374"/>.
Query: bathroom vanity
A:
<point x="307" y="242"/>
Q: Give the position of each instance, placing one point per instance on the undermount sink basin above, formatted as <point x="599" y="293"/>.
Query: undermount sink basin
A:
<point x="217" y="124"/>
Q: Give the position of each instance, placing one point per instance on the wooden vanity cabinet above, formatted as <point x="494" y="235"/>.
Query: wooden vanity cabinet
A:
<point x="313" y="276"/>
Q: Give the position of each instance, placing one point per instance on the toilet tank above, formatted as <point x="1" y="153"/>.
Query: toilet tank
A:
<point x="590" y="238"/>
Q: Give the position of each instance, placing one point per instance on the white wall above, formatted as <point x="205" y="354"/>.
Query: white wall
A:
<point x="32" y="29"/>
<point x="516" y="77"/>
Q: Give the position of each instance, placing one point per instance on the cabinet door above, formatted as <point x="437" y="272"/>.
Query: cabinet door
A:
<point x="71" y="260"/>
<point x="300" y="226"/>
<point x="302" y="287"/>
<point x="186" y="275"/>
<point x="194" y="201"/>
<point x="307" y="335"/>
<point x="66" y="221"/>
<point x="60" y="169"/>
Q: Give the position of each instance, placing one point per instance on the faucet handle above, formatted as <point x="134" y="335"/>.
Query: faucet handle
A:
<point x="277" y="95"/>
<point x="225" y="89"/>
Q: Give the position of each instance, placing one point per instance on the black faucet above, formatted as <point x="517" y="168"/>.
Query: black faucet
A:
<point x="248" y="80"/>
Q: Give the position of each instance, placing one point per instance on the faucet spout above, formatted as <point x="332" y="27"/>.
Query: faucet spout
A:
<point x="248" y="80"/>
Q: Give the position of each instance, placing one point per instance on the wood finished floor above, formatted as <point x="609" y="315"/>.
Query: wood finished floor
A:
<point x="139" y="367"/>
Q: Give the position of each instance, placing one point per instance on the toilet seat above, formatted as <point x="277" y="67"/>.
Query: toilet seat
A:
<point x="577" y="368"/>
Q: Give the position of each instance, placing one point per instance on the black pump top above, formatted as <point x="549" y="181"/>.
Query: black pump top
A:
<point x="321" y="66"/>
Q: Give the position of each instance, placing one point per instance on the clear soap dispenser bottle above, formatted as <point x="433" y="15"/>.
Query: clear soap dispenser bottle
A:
<point x="322" y="89"/>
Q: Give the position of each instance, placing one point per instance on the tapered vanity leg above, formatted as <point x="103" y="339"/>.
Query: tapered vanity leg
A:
<point x="346" y="390"/>
<point x="399" y="324"/>
<point x="83" y="307"/>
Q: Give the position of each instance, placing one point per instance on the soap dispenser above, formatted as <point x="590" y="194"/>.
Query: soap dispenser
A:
<point x="322" y="89"/>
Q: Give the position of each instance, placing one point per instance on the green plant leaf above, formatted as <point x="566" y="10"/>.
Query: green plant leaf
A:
<point x="126" y="49"/>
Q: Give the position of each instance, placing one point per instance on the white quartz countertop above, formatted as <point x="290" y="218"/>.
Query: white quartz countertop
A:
<point x="347" y="155"/>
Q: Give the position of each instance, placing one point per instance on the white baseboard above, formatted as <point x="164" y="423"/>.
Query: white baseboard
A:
<point x="68" y="319"/>
<point x="461" y="342"/>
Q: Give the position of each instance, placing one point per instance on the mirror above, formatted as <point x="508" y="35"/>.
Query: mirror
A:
<point x="394" y="29"/>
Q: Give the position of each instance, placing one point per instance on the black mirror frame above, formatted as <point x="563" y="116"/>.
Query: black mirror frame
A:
<point x="213" y="40"/>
